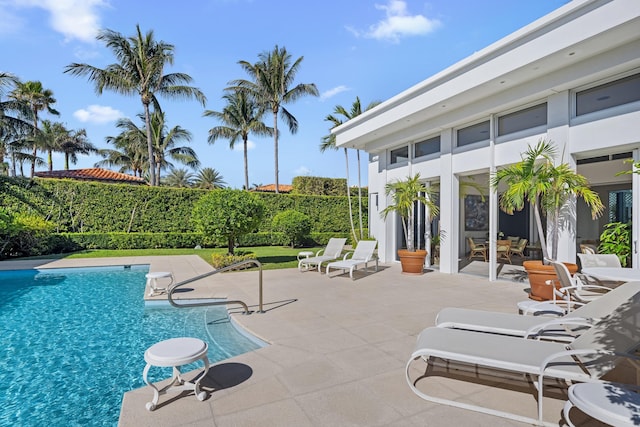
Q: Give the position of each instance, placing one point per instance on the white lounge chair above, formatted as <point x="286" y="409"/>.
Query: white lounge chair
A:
<point x="361" y="256"/>
<point x="572" y="288"/>
<point x="529" y="326"/>
<point x="332" y="251"/>
<point x="586" y="359"/>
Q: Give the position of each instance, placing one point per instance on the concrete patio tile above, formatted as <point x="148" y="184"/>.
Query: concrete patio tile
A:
<point x="282" y="413"/>
<point x="363" y="360"/>
<point x="312" y="375"/>
<point x="347" y="405"/>
<point x="250" y="396"/>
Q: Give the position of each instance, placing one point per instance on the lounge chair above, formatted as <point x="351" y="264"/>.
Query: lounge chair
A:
<point x="361" y="256"/>
<point x="332" y="251"/>
<point x="503" y="250"/>
<point x="519" y="248"/>
<point x="529" y="326"/>
<point x="586" y="359"/>
<point x="588" y="260"/>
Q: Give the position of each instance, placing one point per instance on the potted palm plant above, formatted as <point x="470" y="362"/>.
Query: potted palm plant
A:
<point x="405" y="194"/>
<point x="546" y="187"/>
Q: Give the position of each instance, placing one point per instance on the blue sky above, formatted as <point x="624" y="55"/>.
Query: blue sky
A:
<point x="373" y="49"/>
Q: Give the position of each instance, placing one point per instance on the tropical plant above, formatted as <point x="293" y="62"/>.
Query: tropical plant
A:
<point x="15" y="117"/>
<point x="405" y="194"/>
<point x="130" y="151"/>
<point x="329" y="141"/>
<point x="546" y="187"/>
<point x="209" y="178"/>
<point x="179" y="178"/>
<point x="49" y="138"/>
<point x="140" y="71"/>
<point x="164" y="145"/>
<point x="225" y="215"/>
<point x="38" y="99"/>
<point x="271" y="86"/>
<point x="616" y="239"/>
<point x="240" y="117"/>
<point x="73" y="143"/>
<point x="295" y="225"/>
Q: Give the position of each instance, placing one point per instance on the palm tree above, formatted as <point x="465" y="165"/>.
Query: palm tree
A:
<point x="130" y="153"/>
<point x="15" y="117"/>
<point x="329" y="141"/>
<point x="272" y="78"/>
<point x="538" y="181"/>
<point x="240" y="117"/>
<point x="38" y="99"/>
<point x="209" y="178"/>
<point x="140" y="71"/>
<point x="73" y="143"/>
<point x="50" y="137"/>
<point x="179" y="178"/>
<point x="164" y="145"/>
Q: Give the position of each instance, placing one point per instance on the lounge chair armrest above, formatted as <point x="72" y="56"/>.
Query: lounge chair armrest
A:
<point x="583" y="352"/>
<point x="347" y="255"/>
<point x="538" y="329"/>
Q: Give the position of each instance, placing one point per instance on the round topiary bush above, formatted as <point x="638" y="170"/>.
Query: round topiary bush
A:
<point x="295" y="225"/>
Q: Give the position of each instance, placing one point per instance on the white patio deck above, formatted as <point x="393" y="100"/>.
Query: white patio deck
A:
<point x="337" y="354"/>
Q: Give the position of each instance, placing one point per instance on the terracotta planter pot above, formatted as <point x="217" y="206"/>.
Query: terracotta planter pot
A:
<point x="538" y="274"/>
<point x="412" y="262"/>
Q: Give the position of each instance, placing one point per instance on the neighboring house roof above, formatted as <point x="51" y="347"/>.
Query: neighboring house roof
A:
<point x="93" y="174"/>
<point x="271" y="188"/>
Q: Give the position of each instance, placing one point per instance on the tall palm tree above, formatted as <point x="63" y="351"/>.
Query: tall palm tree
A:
<point x="73" y="143"/>
<point x="15" y="120"/>
<point x="50" y="137"/>
<point x="209" y="178"/>
<point x="39" y="99"/>
<point x="140" y="71"/>
<point x="339" y="116"/>
<point x="130" y="152"/>
<point x="164" y="145"/>
<point x="179" y="178"/>
<point x="271" y="86"/>
<point x="240" y="117"/>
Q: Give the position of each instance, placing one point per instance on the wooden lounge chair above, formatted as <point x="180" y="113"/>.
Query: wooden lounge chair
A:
<point x="332" y="251"/>
<point x="588" y="358"/>
<point x="361" y="256"/>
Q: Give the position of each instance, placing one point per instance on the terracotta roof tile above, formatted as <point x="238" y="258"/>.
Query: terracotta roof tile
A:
<point x="271" y="188"/>
<point x="92" y="174"/>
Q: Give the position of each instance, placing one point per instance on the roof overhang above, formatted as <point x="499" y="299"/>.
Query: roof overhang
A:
<point x="527" y="59"/>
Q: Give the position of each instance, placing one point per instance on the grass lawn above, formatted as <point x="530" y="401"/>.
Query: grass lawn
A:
<point x="271" y="257"/>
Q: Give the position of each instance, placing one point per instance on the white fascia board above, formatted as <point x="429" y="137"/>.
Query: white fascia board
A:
<point x="552" y="37"/>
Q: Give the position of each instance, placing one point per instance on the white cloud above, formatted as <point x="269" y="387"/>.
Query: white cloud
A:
<point x="239" y="146"/>
<point x="75" y="19"/>
<point x="333" y="92"/>
<point x="98" y="114"/>
<point x="398" y="23"/>
<point x="302" y="171"/>
<point x="9" y="22"/>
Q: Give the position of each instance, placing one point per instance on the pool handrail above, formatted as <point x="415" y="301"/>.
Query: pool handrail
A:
<point x="225" y="302"/>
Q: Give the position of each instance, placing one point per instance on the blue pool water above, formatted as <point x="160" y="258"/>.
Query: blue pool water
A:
<point x="72" y="342"/>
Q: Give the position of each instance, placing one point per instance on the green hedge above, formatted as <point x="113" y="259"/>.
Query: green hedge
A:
<point x="99" y="215"/>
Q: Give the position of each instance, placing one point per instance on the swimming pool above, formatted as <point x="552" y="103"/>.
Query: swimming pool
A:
<point x="73" y="341"/>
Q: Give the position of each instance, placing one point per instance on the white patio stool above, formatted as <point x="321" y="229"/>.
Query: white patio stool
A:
<point x="538" y="308"/>
<point x="174" y="353"/>
<point x="304" y="254"/>
<point x="609" y="403"/>
<point x="152" y="281"/>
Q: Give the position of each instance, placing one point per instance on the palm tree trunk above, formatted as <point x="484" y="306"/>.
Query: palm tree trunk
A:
<point x="246" y="163"/>
<point x="543" y="242"/>
<point x="359" y="195"/>
<point x="35" y="147"/>
<point x="353" y="229"/>
<point x="66" y="161"/>
<point x="409" y="232"/>
<point x="50" y="159"/>
<point x="275" y="145"/>
<point x="152" y="166"/>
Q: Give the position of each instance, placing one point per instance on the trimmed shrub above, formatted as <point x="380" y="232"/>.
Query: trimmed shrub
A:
<point x="224" y="260"/>
<point x="295" y="225"/>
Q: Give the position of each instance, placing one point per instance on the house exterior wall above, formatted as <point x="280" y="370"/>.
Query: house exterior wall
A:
<point x="582" y="44"/>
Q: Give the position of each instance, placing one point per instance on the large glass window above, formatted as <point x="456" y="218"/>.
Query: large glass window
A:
<point x="620" y="206"/>
<point x="474" y="133"/>
<point x="399" y="155"/>
<point x="612" y="94"/>
<point x="528" y="118"/>
<point x="424" y="148"/>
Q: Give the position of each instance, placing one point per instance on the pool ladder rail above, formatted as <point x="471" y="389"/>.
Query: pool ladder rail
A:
<point x="225" y="302"/>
